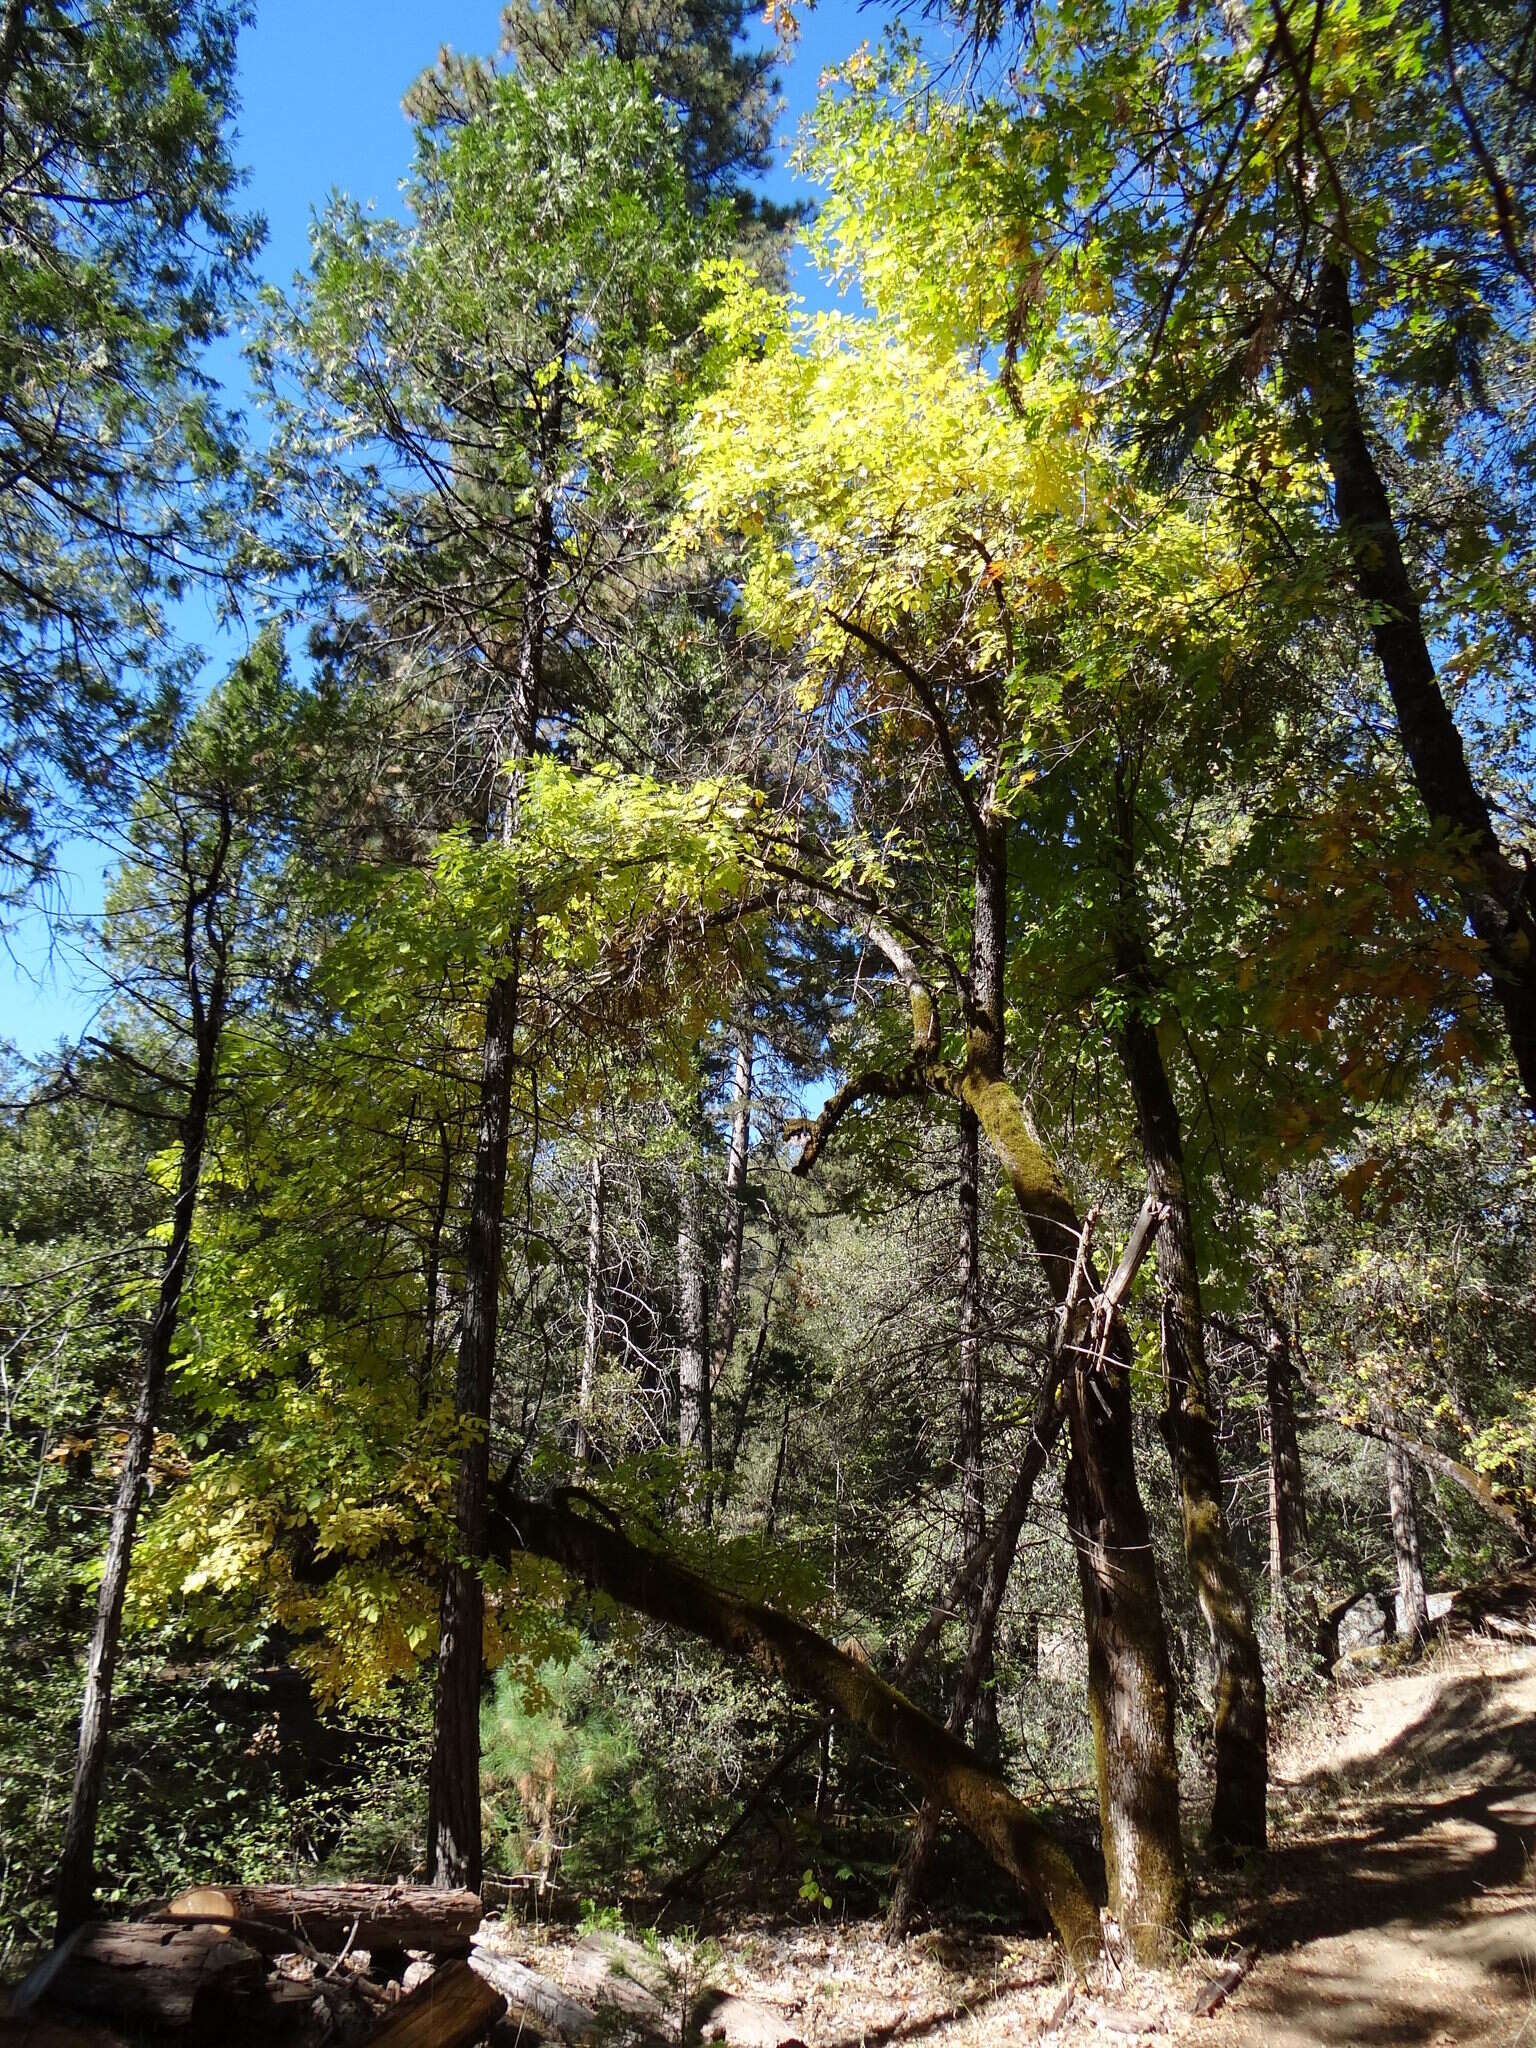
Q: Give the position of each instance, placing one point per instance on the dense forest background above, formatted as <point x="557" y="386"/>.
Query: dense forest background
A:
<point x="842" y="992"/>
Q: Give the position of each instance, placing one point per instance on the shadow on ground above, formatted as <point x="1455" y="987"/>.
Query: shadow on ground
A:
<point x="1397" y="1906"/>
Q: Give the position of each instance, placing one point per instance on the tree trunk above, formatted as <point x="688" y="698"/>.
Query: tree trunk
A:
<point x="375" y="1916"/>
<point x="1287" y="1497"/>
<point x="76" y="1886"/>
<point x="785" y="1650"/>
<point x="1494" y="891"/>
<point x="728" y="1295"/>
<point x="1240" y="1718"/>
<point x="694" y="1408"/>
<point x="969" y="1449"/>
<point x="592" y="1329"/>
<point x="1412" y="1607"/>
<point x="453" y="1775"/>
<point x="1241" y="1723"/>
<point x="1130" y="1680"/>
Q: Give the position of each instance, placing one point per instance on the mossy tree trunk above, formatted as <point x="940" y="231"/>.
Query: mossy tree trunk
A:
<point x="1241" y="1723"/>
<point x="790" y="1653"/>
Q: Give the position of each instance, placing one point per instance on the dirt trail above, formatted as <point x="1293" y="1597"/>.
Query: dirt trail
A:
<point x="1397" y="1906"/>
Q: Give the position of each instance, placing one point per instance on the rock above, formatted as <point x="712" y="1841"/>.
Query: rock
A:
<point x="1362" y="1625"/>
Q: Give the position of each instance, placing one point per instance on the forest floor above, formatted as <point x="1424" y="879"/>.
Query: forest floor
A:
<point x="1395" y="1909"/>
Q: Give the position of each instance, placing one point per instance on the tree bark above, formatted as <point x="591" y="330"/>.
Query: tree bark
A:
<point x="394" y="1916"/>
<point x="453" y="1775"/>
<point x="695" y="1430"/>
<point x="592" y="1328"/>
<point x="1287" y="1497"/>
<point x="1494" y="892"/>
<point x="969" y="1449"/>
<point x="1412" y="1607"/>
<point x="728" y="1294"/>
<point x="787" y="1651"/>
<point x="76" y="1887"/>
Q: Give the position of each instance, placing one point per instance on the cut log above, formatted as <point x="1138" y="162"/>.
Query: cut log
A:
<point x="146" y="1971"/>
<point x="537" y="1998"/>
<point x="614" y="1971"/>
<point x="386" y="1916"/>
<point x="743" y="2022"/>
<point x="451" y="2010"/>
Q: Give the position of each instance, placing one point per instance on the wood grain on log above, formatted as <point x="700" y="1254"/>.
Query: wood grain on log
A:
<point x="451" y="2010"/>
<point x="550" y="2009"/>
<point x="386" y="1916"/>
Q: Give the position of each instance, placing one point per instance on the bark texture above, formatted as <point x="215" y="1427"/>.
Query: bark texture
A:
<point x="1494" y="892"/>
<point x="76" y="1884"/>
<point x="787" y="1651"/>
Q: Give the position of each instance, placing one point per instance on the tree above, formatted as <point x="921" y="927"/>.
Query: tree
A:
<point x="528" y="348"/>
<point x="197" y="840"/>
<point x="125" y="253"/>
<point x="1308" y="238"/>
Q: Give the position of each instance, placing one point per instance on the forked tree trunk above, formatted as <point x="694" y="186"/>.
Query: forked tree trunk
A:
<point x="1412" y="1606"/>
<point x="1494" y="892"/>
<point x="453" y="1774"/>
<point x="76" y="1884"/>
<point x="695" y="1428"/>
<point x="728" y="1294"/>
<point x="592" y="1328"/>
<point x="785" y="1650"/>
<point x="1130" y="1679"/>
<point x="1241" y="1722"/>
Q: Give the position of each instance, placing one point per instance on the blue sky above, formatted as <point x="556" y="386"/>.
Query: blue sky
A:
<point x="320" y="91"/>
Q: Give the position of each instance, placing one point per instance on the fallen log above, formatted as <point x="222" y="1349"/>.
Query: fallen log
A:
<point x="452" y="2009"/>
<point x="617" y="1972"/>
<point x="533" y="1996"/>
<point x="326" y="1916"/>
<point x="147" y="1972"/>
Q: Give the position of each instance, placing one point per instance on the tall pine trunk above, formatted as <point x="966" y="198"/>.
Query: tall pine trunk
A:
<point x="1412" y="1605"/>
<point x="1494" y="892"/>
<point x="76" y="1885"/>
<point x="453" y="1774"/>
